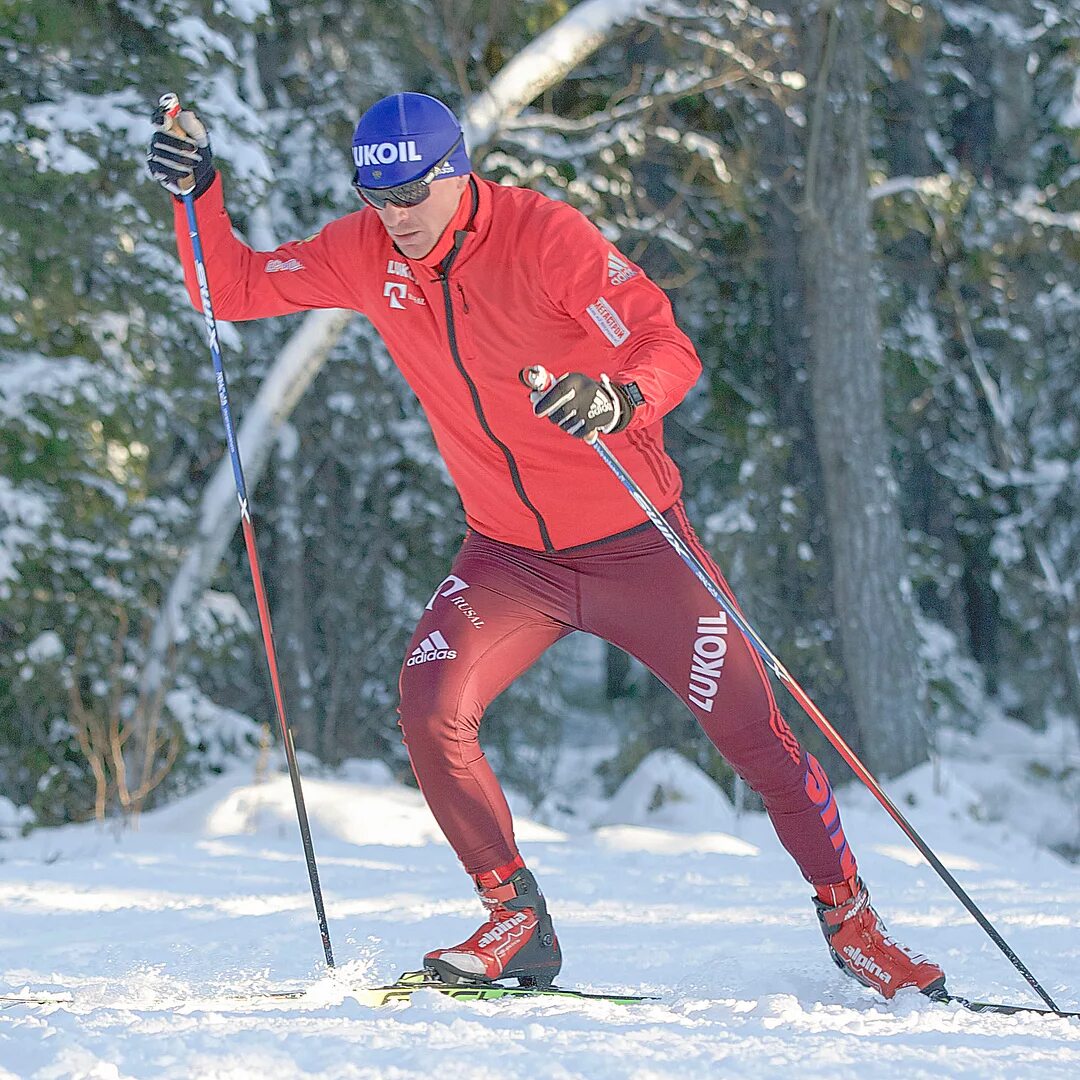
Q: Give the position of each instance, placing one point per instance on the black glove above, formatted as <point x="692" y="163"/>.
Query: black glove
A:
<point x="181" y="163"/>
<point x="581" y="406"/>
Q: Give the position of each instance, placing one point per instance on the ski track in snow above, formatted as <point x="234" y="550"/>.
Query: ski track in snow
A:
<point x="153" y="931"/>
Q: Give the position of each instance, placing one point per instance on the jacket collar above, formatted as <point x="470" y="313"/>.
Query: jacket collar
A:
<point x="472" y="217"/>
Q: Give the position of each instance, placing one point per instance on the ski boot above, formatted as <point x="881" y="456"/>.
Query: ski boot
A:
<point x="517" y="940"/>
<point x="861" y="947"/>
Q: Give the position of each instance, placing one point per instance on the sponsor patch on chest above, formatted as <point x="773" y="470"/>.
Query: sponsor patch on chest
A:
<point x="278" y="266"/>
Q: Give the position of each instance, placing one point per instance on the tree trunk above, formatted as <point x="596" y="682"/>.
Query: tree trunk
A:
<point x="789" y="365"/>
<point x="872" y="591"/>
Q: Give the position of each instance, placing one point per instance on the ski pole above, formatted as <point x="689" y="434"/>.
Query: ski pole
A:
<point x="170" y="106"/>
<point x="538" y="378"/>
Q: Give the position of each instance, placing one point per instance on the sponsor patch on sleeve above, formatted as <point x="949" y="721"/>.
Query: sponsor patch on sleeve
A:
<point x="605" y="317"/>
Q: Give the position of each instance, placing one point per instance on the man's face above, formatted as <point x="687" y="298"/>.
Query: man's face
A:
<point x="415" y="229"/>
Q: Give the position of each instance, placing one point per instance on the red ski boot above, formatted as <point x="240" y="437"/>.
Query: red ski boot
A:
<point x="517" y="940"/>
<point x="861" y="947"/>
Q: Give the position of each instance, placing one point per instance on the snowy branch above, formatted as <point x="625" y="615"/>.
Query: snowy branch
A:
<point x="701" y="82"/>
<point x="545" y="62"/>
<point x="1039" y="215"/>
<point x="918" y="185"/>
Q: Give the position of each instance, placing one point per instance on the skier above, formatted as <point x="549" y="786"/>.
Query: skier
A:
<point x="468" y="282"/>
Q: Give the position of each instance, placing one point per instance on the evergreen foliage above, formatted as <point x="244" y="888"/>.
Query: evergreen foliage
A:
<point x="683" y="138"/>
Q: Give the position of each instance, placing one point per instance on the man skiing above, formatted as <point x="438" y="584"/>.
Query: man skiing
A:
<point x="468" y="282"/>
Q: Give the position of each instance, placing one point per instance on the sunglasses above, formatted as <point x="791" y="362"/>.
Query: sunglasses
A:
<point x="412" y="193"/>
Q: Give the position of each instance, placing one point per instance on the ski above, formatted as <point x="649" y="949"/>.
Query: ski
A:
<point x="8" y="1001"/>
<point x="411" y="982"/>
<point x="402" y="989"/>
<point x="945" y="998"/>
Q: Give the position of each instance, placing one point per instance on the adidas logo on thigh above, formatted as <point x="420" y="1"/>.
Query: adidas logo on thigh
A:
<point x="433" y="647"/>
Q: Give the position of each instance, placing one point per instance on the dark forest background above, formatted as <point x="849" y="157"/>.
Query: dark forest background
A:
<point x="866" y="214"/>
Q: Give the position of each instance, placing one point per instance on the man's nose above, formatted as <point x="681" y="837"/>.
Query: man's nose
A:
<point x="394" y="215"/>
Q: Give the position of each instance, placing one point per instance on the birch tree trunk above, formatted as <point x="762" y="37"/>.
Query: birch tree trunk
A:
<point x="873" y="594"/>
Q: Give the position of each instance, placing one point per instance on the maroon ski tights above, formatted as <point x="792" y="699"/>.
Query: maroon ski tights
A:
<point x="502" y="606"/>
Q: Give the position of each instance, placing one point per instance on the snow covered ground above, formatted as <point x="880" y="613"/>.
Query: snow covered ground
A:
<point x="152" y="931"/>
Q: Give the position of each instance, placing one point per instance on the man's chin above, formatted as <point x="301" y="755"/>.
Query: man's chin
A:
<point x="414" y="248"/>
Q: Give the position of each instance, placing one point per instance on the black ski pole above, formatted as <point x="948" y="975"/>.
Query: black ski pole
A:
<point x="538" y="378"/>
<point x="169" y="105"/>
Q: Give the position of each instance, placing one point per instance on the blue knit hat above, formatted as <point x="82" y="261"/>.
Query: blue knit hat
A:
<point x="402" y="137"/>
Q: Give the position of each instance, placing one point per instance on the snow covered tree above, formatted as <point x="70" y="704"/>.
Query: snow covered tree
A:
<point x="734" y="151"/>
<point x="873" y="598"/>
<point x="977" y="231"/>
<point x="96" y="384"/>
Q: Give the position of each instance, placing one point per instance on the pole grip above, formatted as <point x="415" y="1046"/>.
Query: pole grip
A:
<point x="167" y="117"/>
<point x="536" y="378"/>
<point x="169" y="108"/>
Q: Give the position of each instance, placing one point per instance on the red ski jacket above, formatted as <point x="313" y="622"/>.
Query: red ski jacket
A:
<point x="519" y="279"/>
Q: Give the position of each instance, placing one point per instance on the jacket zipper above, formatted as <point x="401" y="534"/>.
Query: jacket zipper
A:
<point x="515" y="475"/>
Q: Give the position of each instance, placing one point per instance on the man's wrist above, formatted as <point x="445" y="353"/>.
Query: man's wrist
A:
<point x="630" y="397"/>
<point x="202" y="184"/>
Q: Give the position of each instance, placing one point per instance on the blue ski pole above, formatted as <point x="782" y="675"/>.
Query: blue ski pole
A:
<point x="170" y="106"/>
